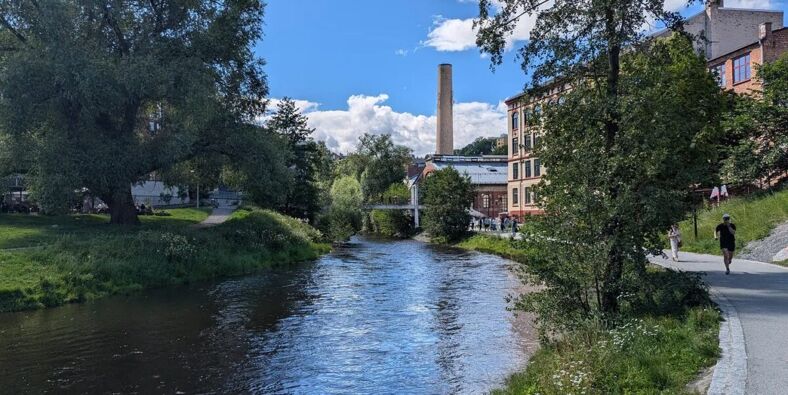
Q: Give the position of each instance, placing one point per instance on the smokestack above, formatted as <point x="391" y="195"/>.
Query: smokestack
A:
<point x="445" y="140"/>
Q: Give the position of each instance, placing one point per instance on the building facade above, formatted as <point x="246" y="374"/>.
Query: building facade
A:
<point x="737" y="69"/>
<point x="525" y="170"/>
<point x="734" y="40"/>
<point x="487" y="174"/>
<point x="721" y="30"/>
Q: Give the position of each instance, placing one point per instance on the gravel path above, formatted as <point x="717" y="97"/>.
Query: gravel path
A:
<point x="768" y="249"/>
<point x="754" y="300"/>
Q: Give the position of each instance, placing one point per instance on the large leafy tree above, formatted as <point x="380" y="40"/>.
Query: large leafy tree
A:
<point x="583" y="42"/>
<point x="103" y="93"/>
<point x="447" y="197"/>
<point x="384" y="163"/>
<point x="483" y="146"/>
<point x="760" y="126"/>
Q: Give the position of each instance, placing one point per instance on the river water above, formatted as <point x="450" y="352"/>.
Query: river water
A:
<point x="373" y="317"/>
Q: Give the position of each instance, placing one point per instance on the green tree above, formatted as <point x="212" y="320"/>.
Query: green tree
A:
<point x="759" y="125"/>
<point x="614" y="129"/>
<point x="447" y="197"/>
<point x="344" y="215"/>
<point x="104" y="93"/>
<point x="483" y="146"/>
<point x="384" y="164"/>
<point x="303" y="197"/>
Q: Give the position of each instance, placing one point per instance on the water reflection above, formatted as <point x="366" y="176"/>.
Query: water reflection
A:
<point x="374" y="317"/>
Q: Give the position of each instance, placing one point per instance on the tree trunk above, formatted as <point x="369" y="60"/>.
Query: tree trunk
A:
<point x="121" y="206"/>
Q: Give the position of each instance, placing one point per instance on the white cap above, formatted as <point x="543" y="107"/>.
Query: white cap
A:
<point x="725" y="216"/>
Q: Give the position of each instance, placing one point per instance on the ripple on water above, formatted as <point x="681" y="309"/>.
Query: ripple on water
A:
<point x="373" y="317"/>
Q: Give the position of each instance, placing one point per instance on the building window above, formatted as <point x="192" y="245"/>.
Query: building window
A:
<point x="719" y="72"/>
<point x="537" y="168"/>
<point x="515" y="171"/>
<point x="504" y="202"/>
<point x="527" y="195"/>
<point x="516" y="120"/>
<point x="527" y="168"/>
<point x="486" y="201"/>
<point x="741" y="69"/>
<point x="537" y="139"/>
<point x="515" y="196"/>
<point x="527" y="141"/>
<point x="515" y="146"/>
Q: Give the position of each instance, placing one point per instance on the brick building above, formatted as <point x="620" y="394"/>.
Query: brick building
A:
<point x="733" y="39"/>
<point x="736" y="70"/>
<point x="487" y="174"/>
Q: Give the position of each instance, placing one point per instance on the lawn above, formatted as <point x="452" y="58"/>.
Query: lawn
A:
<point x="23" y="230"/>
<point x="754" y="218"/>
<point x="506" y="248"/>
<point x="82" y="258"/>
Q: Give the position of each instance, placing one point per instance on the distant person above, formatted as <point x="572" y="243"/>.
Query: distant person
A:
<point x="674" y="235"/>
<point x="726" y="233"/>
<point x="514" y="227"/>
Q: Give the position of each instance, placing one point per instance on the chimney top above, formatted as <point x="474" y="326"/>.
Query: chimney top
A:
<point x="715" y="3"/>
<point x="765" y="30"/>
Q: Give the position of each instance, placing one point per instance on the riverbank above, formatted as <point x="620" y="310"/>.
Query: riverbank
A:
<point x="659" y="349"/>
<point x="50" y="261"/>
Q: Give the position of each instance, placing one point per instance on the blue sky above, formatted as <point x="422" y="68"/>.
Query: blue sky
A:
<point x="360" y="66"/>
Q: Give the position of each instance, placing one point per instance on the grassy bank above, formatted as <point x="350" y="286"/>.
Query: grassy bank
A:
<point x="81" y="258"/>
<point x="670" y="336"/>
<point x="642" y="356"/>
<point x="506" y="248"/>
<point x="754" y="218"/>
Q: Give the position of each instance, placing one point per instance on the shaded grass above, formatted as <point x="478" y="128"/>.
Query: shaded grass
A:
<point x="506" y="248"/>
<point x="24" y="230"/>
<point x="79" y="267"/>
<point x="641" y="356"/>
<point x="754" y="217"/>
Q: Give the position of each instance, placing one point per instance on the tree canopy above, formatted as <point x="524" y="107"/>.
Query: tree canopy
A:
<point x="101" y="94"/>
<point x="483" y="146"/>
<point x="448" y="196"/>
<point x="581" y="44"/>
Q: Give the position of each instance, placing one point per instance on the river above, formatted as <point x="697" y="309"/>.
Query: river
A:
<point x="375" y="317"/>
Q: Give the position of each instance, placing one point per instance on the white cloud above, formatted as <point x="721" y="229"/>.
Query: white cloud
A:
<point x="401" y="52"/>
<point x="452" y="35"/>
<point x="340" y="129"/>
<point x="758" y="4"/>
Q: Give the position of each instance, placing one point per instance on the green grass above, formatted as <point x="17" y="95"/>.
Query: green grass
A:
<point x="642" y="356"/>
<point x="509" y="249"/>
<point x="754" y="218"/>
<point x="91" y="260"/>
<point x="23" y="230"/>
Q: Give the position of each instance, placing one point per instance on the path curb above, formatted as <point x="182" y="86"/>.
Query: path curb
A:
<point x="728" y="378"/>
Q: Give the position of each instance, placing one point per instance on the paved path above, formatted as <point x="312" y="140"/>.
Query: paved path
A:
<point x="218" y="216"/>
<point x="754" y="299"/>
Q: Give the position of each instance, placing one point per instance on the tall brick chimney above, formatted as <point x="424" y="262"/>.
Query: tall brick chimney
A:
<point x="445" y="137"/>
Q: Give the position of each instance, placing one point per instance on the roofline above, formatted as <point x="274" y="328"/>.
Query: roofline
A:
<point x="740" y="48"/>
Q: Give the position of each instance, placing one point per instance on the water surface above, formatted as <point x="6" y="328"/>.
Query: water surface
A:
<point x="376" y="317"/>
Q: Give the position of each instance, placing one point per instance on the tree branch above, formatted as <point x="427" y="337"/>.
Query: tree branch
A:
<point x="13" y="31"/>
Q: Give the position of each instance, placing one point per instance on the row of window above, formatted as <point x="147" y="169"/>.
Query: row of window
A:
<point x="529" y="142"/>
<point x="742" y="70"/>
<point x="529" y="196"/>
<point x="530" y="117"/>
<point x="486" y="201"/>
<point x="537" y="169"/>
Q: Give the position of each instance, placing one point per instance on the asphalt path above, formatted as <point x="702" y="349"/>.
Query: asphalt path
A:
<point x="754" y="338"/>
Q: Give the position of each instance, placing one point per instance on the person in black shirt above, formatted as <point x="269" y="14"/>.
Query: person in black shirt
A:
<point x="726" y="233"/>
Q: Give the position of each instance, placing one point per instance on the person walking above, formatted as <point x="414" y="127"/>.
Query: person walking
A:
<point x="674" y="235"/>
<point x="726" y="233"/>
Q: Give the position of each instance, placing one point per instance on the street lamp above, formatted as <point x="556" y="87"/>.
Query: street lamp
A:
<point x="198" y="190"/>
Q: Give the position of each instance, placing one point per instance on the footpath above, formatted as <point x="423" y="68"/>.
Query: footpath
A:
<point x="753" y="338"/>
<point x="218" y="215"/>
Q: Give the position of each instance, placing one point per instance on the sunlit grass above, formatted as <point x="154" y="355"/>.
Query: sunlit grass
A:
<point x="754" y="217"/>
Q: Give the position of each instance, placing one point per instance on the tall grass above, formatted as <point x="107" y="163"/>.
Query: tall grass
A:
<point x="509" y="249"/>
<point x="74" y="268"/>
<point x="754" y="218"/>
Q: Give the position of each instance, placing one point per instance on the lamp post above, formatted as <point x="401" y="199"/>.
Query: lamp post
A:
<point x="198" y="190"/>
